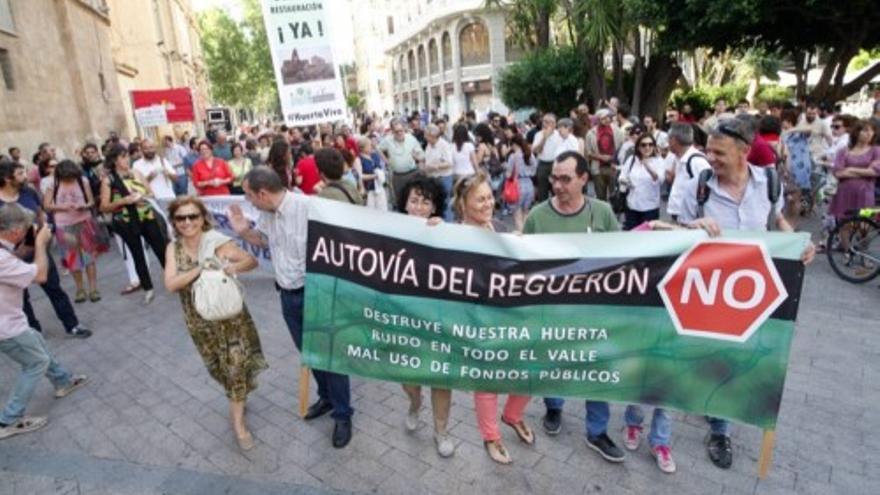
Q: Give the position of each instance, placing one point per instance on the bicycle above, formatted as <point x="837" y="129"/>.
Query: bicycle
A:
<point x="853" y="247"/>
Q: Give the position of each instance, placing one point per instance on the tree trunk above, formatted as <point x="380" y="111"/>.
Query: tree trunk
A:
<point x="638" y="74"/>
<point x="660" y="77"/>
<point x="542" y="28"/>
<point x="617" y="68"/>
<point x="595" y="76"/>
<point x="856" y="84"/>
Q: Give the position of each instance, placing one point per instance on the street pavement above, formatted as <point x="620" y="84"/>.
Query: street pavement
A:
<point x="153" y="422"/>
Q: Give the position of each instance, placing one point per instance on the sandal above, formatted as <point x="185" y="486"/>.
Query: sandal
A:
<point x="95" y="296"/>
<point x="522" y="431"/>
<point x="246" y="442"/>
<point x="76" y="382"/>
<point x="129" y="289"/>
<point x="497" y="452"/>
<point x="80" y="296"/>
<point x="23" y="425"/>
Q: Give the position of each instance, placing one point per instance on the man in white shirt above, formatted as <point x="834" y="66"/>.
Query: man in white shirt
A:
<point x="156" y="171"/>
<point x="544" y="147"/>
<point x="283" y="227"/>
<point x="688" y="163"/>
<point x="567" y="140"/>
<point x="438" y="162"/>
<point x="18" y="340"/>
<point x="174" y="154"/>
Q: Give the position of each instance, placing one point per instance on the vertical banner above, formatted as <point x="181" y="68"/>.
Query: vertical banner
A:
<point x="306" y="71"/>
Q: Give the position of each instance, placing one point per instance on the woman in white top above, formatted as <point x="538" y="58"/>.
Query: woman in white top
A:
<point x="641" y="176"/>
<point x="464" y="154"/>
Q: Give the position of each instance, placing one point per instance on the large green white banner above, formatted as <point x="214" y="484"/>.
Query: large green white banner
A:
<point x="672" y="319"/>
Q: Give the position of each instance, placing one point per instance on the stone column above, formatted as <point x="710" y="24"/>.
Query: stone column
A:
<point x="456" y="106"/>
<point x="497" y="54"/>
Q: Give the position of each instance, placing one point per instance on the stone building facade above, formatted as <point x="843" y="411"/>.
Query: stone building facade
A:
<point x="447" y="56"/>
<point x="156" y="45"/>
<point x="57" y="83"/>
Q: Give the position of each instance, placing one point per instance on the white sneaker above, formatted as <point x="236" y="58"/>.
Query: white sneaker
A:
<point x="663" y="454"/>
<point x="24" y="424"/>
<point x="148" y="296"/>
<point x="445" y="445"/>
<point x="632" y="437"/>
<point x="412" y="421"/>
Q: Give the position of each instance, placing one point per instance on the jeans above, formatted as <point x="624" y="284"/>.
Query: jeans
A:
<point x="332" y="387"/>
<point x="58" y="298"/>
<point x="633" y="218"/>
<point x="29" y="350"/>
<point x="542" y="181"/>
<point x="181" y="183"/>
<point x="598" y="414"/>
<point x="446" y="182"/>
<point x="719" y="426"/>
<point x="661" y="424"/>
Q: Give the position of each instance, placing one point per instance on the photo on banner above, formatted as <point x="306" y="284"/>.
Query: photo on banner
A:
<point x="306" y="70"/>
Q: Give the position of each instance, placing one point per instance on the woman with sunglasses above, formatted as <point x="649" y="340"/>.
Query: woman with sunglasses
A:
<point x="641" y="175"/>
<point x="474" y="204"/>
<point x="229" y="348"/>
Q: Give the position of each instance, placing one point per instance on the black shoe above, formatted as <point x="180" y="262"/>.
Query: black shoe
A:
<point x="341" y="433"/>
<point x="606" y="448"/>
<point x="553" y="422"/>
<point x="720" y="451"/>
<point x="79" y="332"/>
<point x="318" y="409"/>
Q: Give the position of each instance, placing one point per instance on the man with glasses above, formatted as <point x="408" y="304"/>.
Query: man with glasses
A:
<point x="739" y="199"/>
<point x="602" y="142"/>
<point x="570" y="211"/>
<point x="402" y="152"/>
<point x="544" y="146"/>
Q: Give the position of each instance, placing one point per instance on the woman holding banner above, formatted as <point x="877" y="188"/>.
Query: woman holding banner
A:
<point x="425" y="197"/>
<point x="474" y="204"/>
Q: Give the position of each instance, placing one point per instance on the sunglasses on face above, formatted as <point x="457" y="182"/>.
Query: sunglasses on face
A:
<point x="733" y="133"/>
<point x="646" y="145"/>
<point x="187" y="218"/>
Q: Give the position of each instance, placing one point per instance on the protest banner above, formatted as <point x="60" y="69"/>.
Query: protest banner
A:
<point x="306" y="70"/>
<point x="152" y="116"/>
<point x="669" y="319"/>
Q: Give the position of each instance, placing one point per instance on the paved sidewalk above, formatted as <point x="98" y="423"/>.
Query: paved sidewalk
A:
<point x="152" y="421"/>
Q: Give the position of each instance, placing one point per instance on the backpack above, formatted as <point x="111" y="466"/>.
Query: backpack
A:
<point x="774" y="191"/>
<point x="618" y="195"/>
<point x="687" y="164"/>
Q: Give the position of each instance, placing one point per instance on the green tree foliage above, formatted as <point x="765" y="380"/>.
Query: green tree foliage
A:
<point x="548" y="80"/>
<point x="238" y="59"/>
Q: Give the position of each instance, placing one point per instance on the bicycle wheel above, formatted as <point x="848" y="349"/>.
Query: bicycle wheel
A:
<point x="854" y="250"/>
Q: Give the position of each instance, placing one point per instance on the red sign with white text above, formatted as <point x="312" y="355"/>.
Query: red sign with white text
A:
<point x="178" y="102"/>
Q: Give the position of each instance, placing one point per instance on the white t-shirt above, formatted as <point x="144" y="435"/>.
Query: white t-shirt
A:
<point x="461" y="159"/>
<point x="568" y="144"/>
<point x="644" y="190"/>
<point x="677" y="192"/>
<point x="548" y="153"/>
<point x="160" y="185"/>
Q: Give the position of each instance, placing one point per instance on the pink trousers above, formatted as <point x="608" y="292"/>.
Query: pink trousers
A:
<point x="486" y="405"/>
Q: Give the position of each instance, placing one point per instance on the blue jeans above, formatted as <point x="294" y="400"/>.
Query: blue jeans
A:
<point x="446" y="182"/>
<point x="29" y="350"/>
<point x="719" y="426"/>
<point x="332" y="387"/>
<point x="661" y="425"/>
<point x="58" y="298"/>
<point x="598" y="414"/>
<point x="181" y="183"/>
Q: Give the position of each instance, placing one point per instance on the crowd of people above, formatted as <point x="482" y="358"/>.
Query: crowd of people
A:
<point x="580" y="173"/>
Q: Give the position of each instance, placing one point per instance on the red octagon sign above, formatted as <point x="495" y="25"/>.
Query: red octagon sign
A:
<point x="722" y="289"/>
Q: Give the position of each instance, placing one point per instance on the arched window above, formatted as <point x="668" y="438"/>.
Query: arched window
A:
<point x="474" y="41"/>
<point x="433" y="61"/>
<point x="446" y="50"/>
<point x="423" y="66"/>
<point x="401" y="65"/>
<point x="411" y="58"/>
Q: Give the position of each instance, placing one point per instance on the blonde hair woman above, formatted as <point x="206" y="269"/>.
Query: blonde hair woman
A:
<point x="230" y="348"/>
<point x="474" y="204"/>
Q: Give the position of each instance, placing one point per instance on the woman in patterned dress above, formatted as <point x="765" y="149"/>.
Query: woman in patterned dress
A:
<point x="230" y="348"/>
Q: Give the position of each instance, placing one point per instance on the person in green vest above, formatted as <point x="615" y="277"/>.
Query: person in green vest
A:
<point x="331" y="167"/>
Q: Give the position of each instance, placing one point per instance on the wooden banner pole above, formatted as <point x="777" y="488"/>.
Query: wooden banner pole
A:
<point x="766" y="453"/>
<point x="303" y="391"/>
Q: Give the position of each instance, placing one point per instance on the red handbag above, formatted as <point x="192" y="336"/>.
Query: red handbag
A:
<point x="510" y="191"/>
